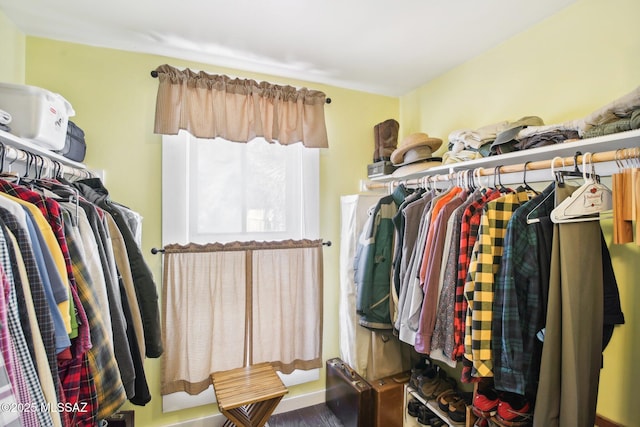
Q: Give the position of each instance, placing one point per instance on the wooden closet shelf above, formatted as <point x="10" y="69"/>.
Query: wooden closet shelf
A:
<point x="540" y="157"/>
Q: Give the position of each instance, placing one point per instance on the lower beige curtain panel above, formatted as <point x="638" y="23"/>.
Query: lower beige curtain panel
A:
<point x="230" y="305"/>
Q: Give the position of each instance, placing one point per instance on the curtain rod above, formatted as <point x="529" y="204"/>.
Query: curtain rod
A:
<point x="155" y="251"/>
<point x="605" y="156"/>
<point x="154" y="74"/>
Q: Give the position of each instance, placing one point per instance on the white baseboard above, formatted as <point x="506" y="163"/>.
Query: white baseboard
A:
<point x="286" y="405"/>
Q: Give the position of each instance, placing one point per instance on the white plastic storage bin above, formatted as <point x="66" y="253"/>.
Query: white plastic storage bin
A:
<point x="37" y="114"/>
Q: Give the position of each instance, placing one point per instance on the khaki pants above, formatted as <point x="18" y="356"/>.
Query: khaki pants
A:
<point x="572" y="351"/>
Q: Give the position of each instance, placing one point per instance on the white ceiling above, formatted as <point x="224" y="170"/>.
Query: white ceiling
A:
<point x="387" y="47"/>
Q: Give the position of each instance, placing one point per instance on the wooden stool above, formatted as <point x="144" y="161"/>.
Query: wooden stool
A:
<point x="248" y="396"/>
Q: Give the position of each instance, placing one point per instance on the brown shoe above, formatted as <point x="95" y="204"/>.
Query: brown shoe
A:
<point x="434" y="382"/>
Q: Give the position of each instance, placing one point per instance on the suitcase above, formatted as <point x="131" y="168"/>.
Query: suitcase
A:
<point x="348" y="395"/>
<point x="75" y="146"/>
<point x="388" y="400"/>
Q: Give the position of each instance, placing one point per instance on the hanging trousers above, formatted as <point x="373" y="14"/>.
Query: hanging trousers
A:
<point x="572" y="349"/>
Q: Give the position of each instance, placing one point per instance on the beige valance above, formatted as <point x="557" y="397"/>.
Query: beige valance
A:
<point x="239" y="110"/>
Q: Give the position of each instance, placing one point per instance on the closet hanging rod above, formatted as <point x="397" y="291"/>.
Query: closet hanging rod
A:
<point x="155" y="251"/>
<point x="41" y="161"/>
<point x="576" y="160"/>
<point x="154" y="74"/>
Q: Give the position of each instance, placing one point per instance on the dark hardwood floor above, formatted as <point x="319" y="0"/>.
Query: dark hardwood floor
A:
<point x="311" y="416"/>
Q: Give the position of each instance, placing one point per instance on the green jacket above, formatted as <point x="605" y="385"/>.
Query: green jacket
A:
<point x="373" y="263"/>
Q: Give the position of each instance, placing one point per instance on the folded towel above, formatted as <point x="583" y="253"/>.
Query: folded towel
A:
<point x="613" y="111"/>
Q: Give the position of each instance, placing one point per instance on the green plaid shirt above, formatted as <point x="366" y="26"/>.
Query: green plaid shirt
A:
<point x="519" y="305"/>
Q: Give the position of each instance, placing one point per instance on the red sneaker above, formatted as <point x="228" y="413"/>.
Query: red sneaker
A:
<point x="514" y="417"/>
<point x="485" y="403"/>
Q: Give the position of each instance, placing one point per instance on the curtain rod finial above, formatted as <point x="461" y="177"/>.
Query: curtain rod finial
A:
<point x="154" y="74"/>
<point x="328" y="100"/>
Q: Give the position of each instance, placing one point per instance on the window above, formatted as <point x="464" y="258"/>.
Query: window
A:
<point x="221" y="191"/>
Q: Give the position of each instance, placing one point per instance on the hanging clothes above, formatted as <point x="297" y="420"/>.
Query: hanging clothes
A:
<point x="410" y="299"/>
<point x="483" y="267"/>
<point x="571" y="351"/>
<point x="72" y="316"/>
<point x="431" y="266"/>
<point x="573" y="338"/>
<point x="372" y="264"/>
<point x="442" y="341"/>
<point x="480" y="277"/>
<point x="520" y="296"/>
<point x="99" y="230"/>
<point x="470" y="223"/>
<point x="374" y="354"/>
<point x="355" y="339"/>
<point x="400" y="248"/>
<point x="146" y="291"/>
<point x="7" y="398"/>
<point x="23" y="381"/>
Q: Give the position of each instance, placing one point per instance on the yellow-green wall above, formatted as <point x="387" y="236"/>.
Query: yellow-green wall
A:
<point x="564" y="68"/>
<point x="12" y="42"/>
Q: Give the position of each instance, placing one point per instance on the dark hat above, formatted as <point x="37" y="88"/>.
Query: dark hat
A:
<point x="505" y="140"/>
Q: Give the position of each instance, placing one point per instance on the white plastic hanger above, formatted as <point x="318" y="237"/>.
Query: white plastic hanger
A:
<point x="478" y="178"/>
<point x="587" y="202"/>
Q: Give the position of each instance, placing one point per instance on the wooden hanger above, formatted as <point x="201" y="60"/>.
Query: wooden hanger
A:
<point x="623" y="202"/>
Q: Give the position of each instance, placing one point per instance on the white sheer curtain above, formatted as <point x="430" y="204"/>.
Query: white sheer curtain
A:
<point x="226" y="305"/>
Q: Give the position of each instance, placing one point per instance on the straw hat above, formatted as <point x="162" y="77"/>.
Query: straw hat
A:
<point x="421" y="146"/>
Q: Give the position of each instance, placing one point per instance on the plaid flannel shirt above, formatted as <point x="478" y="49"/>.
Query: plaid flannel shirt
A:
<point x="479" y="287"/>
<point x="520" y="302"/>
<point x="469" y="225"/>
<point x="102" y="361"/>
